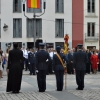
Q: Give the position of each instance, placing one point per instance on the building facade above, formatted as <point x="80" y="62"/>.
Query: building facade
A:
<point x="78" y="18"/>
<point x="86" y="23"/>
<point x="50" y="27"/>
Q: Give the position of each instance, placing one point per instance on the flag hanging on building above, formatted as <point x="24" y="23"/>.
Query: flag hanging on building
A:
<point x="33" y="4"/>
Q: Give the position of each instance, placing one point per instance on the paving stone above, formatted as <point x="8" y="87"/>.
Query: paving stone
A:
<point x="26" y="96"/>
<point x="91" y="94"/>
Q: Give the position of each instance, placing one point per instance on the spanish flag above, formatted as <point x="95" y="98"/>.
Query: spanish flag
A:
<point x="33" y="4"/>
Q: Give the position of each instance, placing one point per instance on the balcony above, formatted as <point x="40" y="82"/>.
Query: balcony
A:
<point x="91" y="38"/>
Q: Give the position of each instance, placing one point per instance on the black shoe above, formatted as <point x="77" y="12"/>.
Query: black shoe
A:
<point x="42" y="91"/>
<point x="77" y="89"/>
<point x="17" y="91"/>
<point x="13" y="92"/>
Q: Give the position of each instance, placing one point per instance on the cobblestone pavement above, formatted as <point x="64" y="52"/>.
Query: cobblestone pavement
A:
<point x="29" y="89"/>
<point x="93" y="94"/>
<point x="26" y="96"/>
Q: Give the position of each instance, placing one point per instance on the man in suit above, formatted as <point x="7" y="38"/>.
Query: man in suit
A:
<point x="70" y="62"/>
<point x="41" y="57"/>
<point x="15" y="67"/>
<point x="31" y="62"/>
<point x="80" y="59"/>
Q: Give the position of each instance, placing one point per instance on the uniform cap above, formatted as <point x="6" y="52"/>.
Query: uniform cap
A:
<point x="58" y="48"/>
<point x="80" y="45"/>
<point x="41" y="45"/>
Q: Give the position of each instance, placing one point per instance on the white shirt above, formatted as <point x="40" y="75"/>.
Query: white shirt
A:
<point x="25" y="54"/>
<point x="51" y="54"/>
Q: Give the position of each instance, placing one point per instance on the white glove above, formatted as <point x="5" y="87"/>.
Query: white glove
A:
<point x="29" y="63"/>
<point x="37" y="71"/>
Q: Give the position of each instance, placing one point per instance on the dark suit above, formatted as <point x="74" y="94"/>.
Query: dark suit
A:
<point x="15" y="66"/>
<point x="99" y="62"/>
<point x="32" y="62"/>
<point x="80" y="59"/>
<point x="88" y="64"/>
<point x="41" y="57"/>
<point x="59" y="71"/>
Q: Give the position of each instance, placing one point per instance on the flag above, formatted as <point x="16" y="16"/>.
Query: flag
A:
<point x="33" y="4"/>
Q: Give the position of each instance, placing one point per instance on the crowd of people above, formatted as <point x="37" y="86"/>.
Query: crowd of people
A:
<point x="29" y="60"/>
<point x="48" y="61"/>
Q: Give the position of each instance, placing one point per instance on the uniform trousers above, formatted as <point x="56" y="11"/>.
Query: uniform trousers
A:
<point x="80" y="78"/>
<point x="59" y="79"/>
<point x="32" y="68"/>
<point x="41" y="79"/>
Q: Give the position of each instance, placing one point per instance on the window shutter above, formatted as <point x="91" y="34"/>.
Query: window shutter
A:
<point x="13" y="5"/>
<point x="19" y="6"/>
<point x="20" y="28"/>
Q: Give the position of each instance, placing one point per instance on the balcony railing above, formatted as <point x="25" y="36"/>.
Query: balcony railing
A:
<point x="92" y="38"/>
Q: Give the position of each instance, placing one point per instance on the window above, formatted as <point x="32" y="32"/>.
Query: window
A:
<point x="31" y="10"/>
<point x="17" y="6"/>
<point x="59" y="4"/>
<point x="59" y="28"/>
<point x="91" y="29"/>
<point x="17" y="28"/>
<point x="91" y="6"/>
<point x="0" y="28"/>
<point x="30" y="28"/>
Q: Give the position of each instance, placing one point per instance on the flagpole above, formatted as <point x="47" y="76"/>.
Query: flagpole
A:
<point x="34" y="17"/>
<point x="34" y="34"/>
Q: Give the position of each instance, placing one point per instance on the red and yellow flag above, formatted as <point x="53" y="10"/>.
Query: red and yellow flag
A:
<point x="33" y="3"/>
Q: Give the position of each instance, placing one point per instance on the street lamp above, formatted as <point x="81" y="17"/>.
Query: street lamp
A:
<point x="34" y="17"/>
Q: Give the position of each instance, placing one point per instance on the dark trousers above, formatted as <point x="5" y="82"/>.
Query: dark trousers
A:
<point x="99" y="67"/>
<point x="80" y="78"/>
<point x="32" y="68"/>
<point x="50" y="67"/>
<point x="88" y="65"/>
<point x="70" y="68"/>
<point x="26" y="64"/>
<point x="41" y="79"/>
<point x="59" y="79"/>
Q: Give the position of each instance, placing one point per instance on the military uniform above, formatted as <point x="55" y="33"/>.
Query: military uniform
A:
<point x="80" y="59"/>
<point x="32" y="62"/>
<point x="41" y="57"/>
<point x="58" y="68"/>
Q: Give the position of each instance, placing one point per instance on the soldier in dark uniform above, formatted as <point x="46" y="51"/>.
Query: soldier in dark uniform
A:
<point x="41" y="57"/>
<point x="80" y="60"/>
<point x="32" y="62"/>
<point x="58" y="68"/>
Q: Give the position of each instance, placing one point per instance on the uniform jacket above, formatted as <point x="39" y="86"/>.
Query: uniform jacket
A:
<point x="31" y="58"/>
<point x="80" y="60"/>
<point x="56" y="62"/>
<point x="41" y="57"/>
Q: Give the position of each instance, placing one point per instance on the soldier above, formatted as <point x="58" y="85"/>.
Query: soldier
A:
<point x="41" y="57"/>
<point x="58" y="68"/>
<point x="80" y="59"/>
<point x="31" y="61"/>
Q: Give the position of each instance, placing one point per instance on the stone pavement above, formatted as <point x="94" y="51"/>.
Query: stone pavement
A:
<point x="29" y="89"/>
